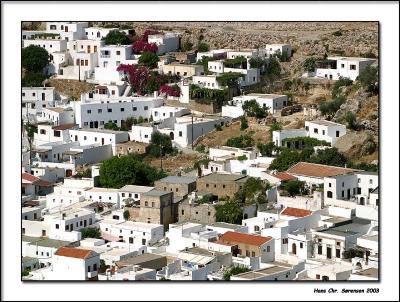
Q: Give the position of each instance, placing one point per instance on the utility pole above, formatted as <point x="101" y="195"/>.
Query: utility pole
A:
<point x="192" y="131"/>
<point x="79" y="72"/>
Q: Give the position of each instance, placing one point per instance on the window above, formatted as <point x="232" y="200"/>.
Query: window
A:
<point x="253" y="254"/>
<point x="337" y="253"/>
<point x="152" y="204"/>
<point x="329" y="194"/>
<point x="134" y="108"/>
<point x="57" y="226"/>
<point x="315" y="130"/>
<point x="330" y="185"/>
<point x="342" y="184"/>
<point x="85" y="123"/>
<point x="247" y="253"/>
<point x="118" y="52"/>
<point x="323" y="132"/>
<point x="89" y="111"/>
<point x="146" y="107"/>
<point x="320" y="250"/>
<point x="146" y="203"/>
<point x="86" y="62"/>
<point x="84" y="138"/>
<point x="122" y="109"/>
<point x="57" y="133"/>
<point x="370" y="181"/>
<point x="377" y="202"/>
<point x="353" y="67"/>
<point x="342" y="194"/>
<point x="209" y="213"/>
<point x="359" y="180"/>
<point x="342" y="65"/>
<point x="197" y="212"/>
<point x="99" y="110"/>
<point x="23" y="231"/>
<point x="180" y="134"/>
<point x="95" y="267"/>
<point x="301" y="245"/>
<point x="268" y="249"/>
<point x="109" y="110"/>
<point x="317" y="276"/>
<point x="182" y="212"/>
<point x="67" y="227"/>
<point x="88" y="268"/>
<point x="337" y="133"/>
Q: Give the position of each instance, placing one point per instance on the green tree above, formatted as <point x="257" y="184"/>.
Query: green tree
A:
<point x="267" y="149"/>
<point x="369" y="79"/>
<point x="253" y="109"/>
<point x="116" y="37"/>
<point x="33" y="79"/>
<point x="242" y="157"/>
<point x="234" y="271"/>
<point x="230" y="212"/>
<point x="149" y="59"/>
<point x="140" y="120"/>
<point x="242" y="141"/>
<point x="203" y="47"/>
<point x="274" y="127"/>
<point x="243" y="123"/>
<point x="309" y="64"/>
<point x="160" y="144"/>
<point x="127" y="214"/>
<point x="351" y="120"/>
<point x="273" y="70"/>
<point x="34" y="58"/>
<point x="337" y="87"/>
<point x="117" y="172"/>
<point x="90" y="233"/>
<point x="253" y="191"/>
<point x="187" y="46"/>
<point x="330" y="156"/>
<point x="331" y="107"/>
<point x="111" y="126"/>
<point x="294" y="187"/>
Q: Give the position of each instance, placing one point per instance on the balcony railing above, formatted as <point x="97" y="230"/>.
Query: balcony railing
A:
<point x="105" y="56"/>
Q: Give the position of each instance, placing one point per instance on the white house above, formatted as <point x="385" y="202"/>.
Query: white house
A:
<point x="110" y="57"/>
<point x="75" y="264"/>
<point x="165" y="42"/>
<point x="57" y="115"/>
<point x="68" y="193"/>
<point x="106" y="195"/>
<point x="334" y="68"/>
<point x="132" y="232"/>
<point x="279" y="135"/>
<point x="360" y="187"/>
<point x="47" y="133"/>
<point x="313" y="174"/>
<point x="132" y="192"/>
<point x="51" y="45"/>
<point x="273" y="49"/>
<point x="207" y="81"/>
<point x="89" y="136"/>
<point x="36" y="98"/>
<point x="332" y="242"/>
<point x="226" y="152"/>
<point x="325" y="130"/>
<point x="68" y="31"/>
<point x="87" y="46"/>
<point x="95" y="114"/>
<point x="31" y="213"/>
<point x="273" y="102"/>
<point x="213" y="53"/>
<point x="163" y="112"/>
<point x="98" y="33"/>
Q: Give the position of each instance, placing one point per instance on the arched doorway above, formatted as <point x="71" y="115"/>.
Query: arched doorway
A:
<point x="245" y="216"/>
<point x="171" y="135"/>
<point x="362" y="201"/>
<point x="294" y="248"/>
<point x="68" y="173"/>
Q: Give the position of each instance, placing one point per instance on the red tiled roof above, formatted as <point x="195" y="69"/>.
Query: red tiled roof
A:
<point x="64" y="127"/>
<point x="295" y="212"/>
<point x="35" y="180"/>
<point x="236" y="237"/>
<point x="74" y="252"/>
<point x="317" y="170"/>
<point x="284" y="176"/>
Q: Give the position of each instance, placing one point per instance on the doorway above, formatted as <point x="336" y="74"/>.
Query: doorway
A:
<point x="328" y="252"/>
<point x="362" y="201"/>
<point x="294" y="248"/>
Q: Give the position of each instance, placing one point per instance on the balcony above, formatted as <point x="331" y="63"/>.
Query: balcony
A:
<point x="91" y="274"/>
<point x="104" y="56"/>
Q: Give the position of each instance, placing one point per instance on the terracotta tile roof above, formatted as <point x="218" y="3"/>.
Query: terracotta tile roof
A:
<point x="35" y="180"/>
<point x="295" y="212"/>
<point x="284" y="176"/>
<point x="236" y="237"/>
<point x="64" y="127"/>
<point x="74" y="252"/>
<point x="317" y="170"/>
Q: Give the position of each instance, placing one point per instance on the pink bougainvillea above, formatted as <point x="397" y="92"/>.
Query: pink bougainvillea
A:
<point x="142" y="44"/>
<point x="170" y="90"/>
<point x="138" y="76"/>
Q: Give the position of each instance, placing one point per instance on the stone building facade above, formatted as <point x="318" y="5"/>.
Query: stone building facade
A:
<point x="180" y="185"/>
<point x="221" y="184"/>
<point x="201" y="213"/>
<point x="130" y="147"/>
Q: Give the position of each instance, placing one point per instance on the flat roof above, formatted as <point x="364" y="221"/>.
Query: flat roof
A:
<point x="58" y="109"/>
<point x="101" y="130"/>
<point x="215" y="177"/>
<point x="266" y="95"/>
<point x="156" y="193"/>
<point x="135" y="189"/>
<point x="137" y="260"/>
<point x="45" y="242"/>
<point x="98" y="189"/>
<point x="30" y="209"/>
<point x="359" y="59"/>
<point x="325" y="123"/>
<point x="178" y="179"/>
<point x="346" y="229"/>
<point x="225" y="225"/>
